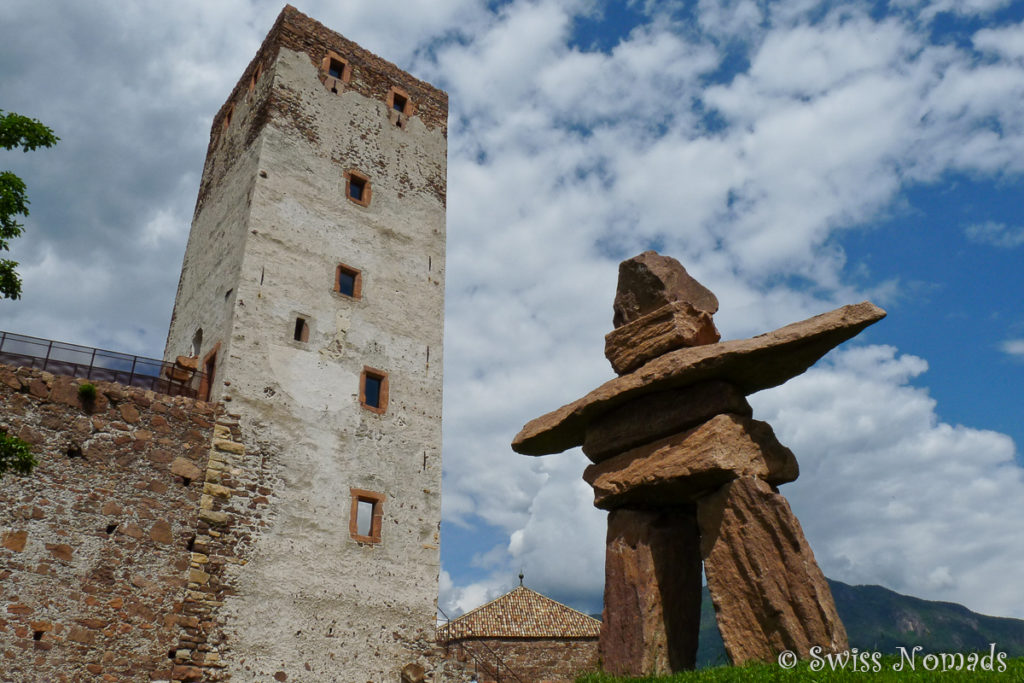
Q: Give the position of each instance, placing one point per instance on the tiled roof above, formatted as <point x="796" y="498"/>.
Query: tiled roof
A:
<point x="521" y="613"/>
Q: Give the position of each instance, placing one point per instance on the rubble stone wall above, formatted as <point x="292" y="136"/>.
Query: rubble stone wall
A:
<point x="96" y="544"/>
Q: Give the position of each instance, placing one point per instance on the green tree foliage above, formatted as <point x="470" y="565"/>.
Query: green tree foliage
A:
<point x="28" y="134"/>
<point x="15" y="455"/>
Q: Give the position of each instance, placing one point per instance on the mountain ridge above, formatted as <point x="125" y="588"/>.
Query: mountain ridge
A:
<point x="878" y="619"/>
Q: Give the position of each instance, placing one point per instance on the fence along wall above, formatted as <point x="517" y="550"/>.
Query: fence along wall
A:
<point x="95" y="544"/>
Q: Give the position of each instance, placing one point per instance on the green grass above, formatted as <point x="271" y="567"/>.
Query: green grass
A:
<point x="773" y="672"/>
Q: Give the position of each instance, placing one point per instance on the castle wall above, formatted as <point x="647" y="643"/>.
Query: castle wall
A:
<point x="95" y="544"/>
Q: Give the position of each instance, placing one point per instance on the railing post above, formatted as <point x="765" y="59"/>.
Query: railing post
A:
<point x="92" y="362"/>
<point x="46" y="361"/>
<point x="131" y="375"/>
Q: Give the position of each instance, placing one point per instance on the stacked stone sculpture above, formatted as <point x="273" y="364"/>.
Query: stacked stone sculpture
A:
<point x="689" y="477"/>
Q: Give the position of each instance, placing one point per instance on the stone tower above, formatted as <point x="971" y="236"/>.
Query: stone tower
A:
<point x="312" y="293"/>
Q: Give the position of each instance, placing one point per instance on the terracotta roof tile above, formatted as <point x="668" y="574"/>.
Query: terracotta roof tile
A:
<point x="521" y="613"/>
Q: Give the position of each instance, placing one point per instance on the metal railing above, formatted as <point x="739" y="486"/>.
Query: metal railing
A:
<point x="480" y="660"/>
<point x="74" y="360"/>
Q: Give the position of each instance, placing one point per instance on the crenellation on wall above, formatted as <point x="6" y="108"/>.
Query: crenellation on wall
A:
<point x="93" y="544"/>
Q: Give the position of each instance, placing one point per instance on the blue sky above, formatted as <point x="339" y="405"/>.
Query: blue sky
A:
<point x="795" y="156"/>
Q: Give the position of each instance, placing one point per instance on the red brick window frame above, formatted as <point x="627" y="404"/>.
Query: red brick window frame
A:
<point x="336" y="71"/>
<point x="373" y="386"/>
<point x="357" y="187"/>
<point x="228" y="115"/>
<point x="399" y="100"/>
<point x="347" y="278"/>
<point x="209" y="369"/>
<point x="255" y="78"/>
<point x="376" y="511"/>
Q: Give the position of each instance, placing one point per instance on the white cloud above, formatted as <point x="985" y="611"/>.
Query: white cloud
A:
<point x="1006" y="42"/>
<point x="890" y="494"/>
<point x="1014" y="347"/>
<point x="563" y="161"/>
<point x="546" y="211"/>
<point x="995" y="234"/>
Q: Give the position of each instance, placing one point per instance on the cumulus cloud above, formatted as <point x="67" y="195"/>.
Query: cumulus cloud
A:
<point x="995" y="234"/>
<point x="745" y="138"/>
<point x="832" y="120"/>
<point x="890" y="494"/>
<point x="1014" y="347"/>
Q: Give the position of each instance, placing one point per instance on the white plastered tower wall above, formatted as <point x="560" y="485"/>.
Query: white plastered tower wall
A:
<point x="272" y="226"/>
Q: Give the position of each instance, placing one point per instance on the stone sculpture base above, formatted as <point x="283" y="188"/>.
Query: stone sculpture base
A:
<point x="768" y="592"/>
<point x="652" y="592"/>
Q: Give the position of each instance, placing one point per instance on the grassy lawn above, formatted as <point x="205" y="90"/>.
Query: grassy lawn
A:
<point x="1014" y="671"/>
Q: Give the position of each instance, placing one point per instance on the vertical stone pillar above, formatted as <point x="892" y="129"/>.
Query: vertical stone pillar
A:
<point x="652" y="591"/>
<point x="769" y="593"/>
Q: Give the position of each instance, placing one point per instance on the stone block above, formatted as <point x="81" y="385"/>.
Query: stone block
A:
<point x="161" y="532"/>
<point x="760" y="362"/>
<point x="229" y="446"/>
<point x="653" y="416"/>
<point x="769" y="593"/>
<point x="649" y="281"/>
<point x="213" y="517"/>
<point x="652" y="592"/>
<point x="684" y="467"/>
<point x="217" y="491"/>
<point x="673" y="326"/>
<point x="60" y="551"/>
<point x="185" y="468"/>
<point x="14" y="540"/>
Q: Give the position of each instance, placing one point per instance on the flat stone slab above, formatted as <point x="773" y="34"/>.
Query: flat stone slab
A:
<point x="673" y="326"/>
<point x="654" y="416"/>
<point x="753" y="364"/>
<point x="685" y="467"/>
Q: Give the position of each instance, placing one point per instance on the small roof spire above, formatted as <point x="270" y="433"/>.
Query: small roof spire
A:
<point x="520" y="577"/>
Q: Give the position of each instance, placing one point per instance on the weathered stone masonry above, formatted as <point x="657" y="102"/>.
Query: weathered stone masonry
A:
<point x="312" y="292"/>
<point x="95" y="543"/>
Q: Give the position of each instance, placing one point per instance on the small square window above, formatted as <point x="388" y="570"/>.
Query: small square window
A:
<point x="348" y="281"/>
<point x="373" y="390"/>
<point x="335" y="72"/>
<point x="336" y="69"/>
<point x="367" y="515"/>
<point x="399" y="103"/>
<point x="357" y="188"/>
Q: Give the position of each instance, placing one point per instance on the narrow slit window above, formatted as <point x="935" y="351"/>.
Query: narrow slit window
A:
<point x="364" y="517"/>
<point x="372" y="397"/>
<point x="348" y="281"/>
<point x="367" y="515"/>
<point x="301" y="330"/>
<point x="373" y="390"/>
<point x="255" y="77"/>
